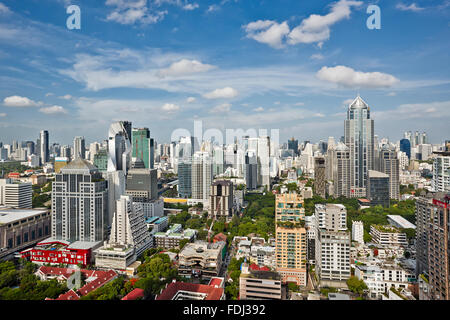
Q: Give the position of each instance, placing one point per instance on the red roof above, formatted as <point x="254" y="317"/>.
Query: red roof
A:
<point x="220" y="237"/>
<point x="215" y="282"/>
<point x="102" y="277"/>
<point x="255" y="267"/>
<point x="212" y="293"/>
<point x="69" y="295"/>
<point x="133" y="295"/>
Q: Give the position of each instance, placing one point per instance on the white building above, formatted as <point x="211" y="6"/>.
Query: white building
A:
<point x="129" y="237"/>
<point x="201" y="177"/>
<point x="441" y="173"/>
<point x="358" y="231"/>
<point x="15" y="195"/>
<point x="332" y="243"/>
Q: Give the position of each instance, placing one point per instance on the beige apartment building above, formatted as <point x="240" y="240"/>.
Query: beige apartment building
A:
<point x="291" y="247"/>
<point x="259" y="284"/>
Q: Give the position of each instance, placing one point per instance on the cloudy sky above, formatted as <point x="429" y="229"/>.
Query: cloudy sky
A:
<point x="288" y="65"/>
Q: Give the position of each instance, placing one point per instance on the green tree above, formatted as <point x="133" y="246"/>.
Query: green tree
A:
<point x="356" y="285"/>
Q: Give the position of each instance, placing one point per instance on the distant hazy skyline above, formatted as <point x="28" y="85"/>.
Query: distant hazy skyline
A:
<point x="287" y="65"/>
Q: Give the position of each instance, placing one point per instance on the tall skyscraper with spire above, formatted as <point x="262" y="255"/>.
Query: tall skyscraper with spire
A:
<point x="359" y="138"/>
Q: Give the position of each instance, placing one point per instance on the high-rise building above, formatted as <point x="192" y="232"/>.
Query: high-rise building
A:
<point x="60" y="162"/>
<point x="390" y="165"/>
<point x="79" y="148"/>
<point x="378" y="189"/>
<point x="221" y="199"/>
<point x="218" y="160"/>
<point x="185" y="179"/>
<point x="264" y="161"/>
<point x="319" y="176"/>
<point x="338" y="167"/>
<point x="15" y="194"/>
<point x="251" y="170"/>
<point x="441" y="172"/>
<point x="44" y="147"/>
<point x="101" y="160"/>
<point x="293" y="145"/>
<point x="359" y="138"/>
<point x="291" y="248"/>
<point x="201" y="176"/>
<point x="358" y="231"/>
<point x="141" y="183"/>
<point x="333" y="244"/>
<point x="432" y="234"/>
<point x="129" y="237"/>
<point x="424" y="208"/>
<point x="79" y="203"/>
<point x="119" y="146"/>
<point x="142" y="146"/>
<point x="405" y="146"/>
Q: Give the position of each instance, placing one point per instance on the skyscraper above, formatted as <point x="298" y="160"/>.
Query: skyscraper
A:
<point x="142" y="146"/>
<point x="119" y="146"/>
<point x="44" y="147"/>
<point x="441" y="172"/>
<point x="405" y="146"/>
<point x="185" y="179"/>
<point x="390" y="165"/>
<point x="332" y="244"/>
<point x="359" y="138"/>
<point x="319" y="176"/>
<point x="378" y="188"/>
<point x="251" y="170"/>
<point x="290" y="238"/>
<point x="293" y="145"/>
<point x="79" y="203"/>
<point x="338" y="163"/>
<point x="79" y="148"/>
<point x="201" y="176"/>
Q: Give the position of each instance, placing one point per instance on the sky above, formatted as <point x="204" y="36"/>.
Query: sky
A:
<point x="251" y="64"/>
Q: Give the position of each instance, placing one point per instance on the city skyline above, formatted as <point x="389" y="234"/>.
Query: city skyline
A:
<point x="166" y="67"/>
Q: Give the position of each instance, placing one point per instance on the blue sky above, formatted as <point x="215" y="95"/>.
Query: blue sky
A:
<point x="288" y="65"/>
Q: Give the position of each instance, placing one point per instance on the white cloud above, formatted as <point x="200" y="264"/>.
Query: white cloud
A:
<point x="314" y="29"/>
<point x="223" y="108"/>
<point x="2" y="115"/>
<point x="190" y="6"/>
<point x="392" y="94"/>
<point x="213" y="8"/>
<point x="317" y="56"/>
<point x="170" y="108"/>
<point x="412" y="7"/>
<point x="183" y="67"/>
<point x="49" y="94"/>
<point x="268" y="32"/>
<point x="53" y="110"/>
<point x="4" y="9"/>
<point x="19" y="102"/>
<point x="299" y="104"/>
<point x="432" y="110"/>
<point x="132" y="11"/>
<point x="259" y="109"/>
<point x="66" y="97"/>
<point x="226" y="92"/>
<point x="190" y="100"/>
<point x="347" y="77"/>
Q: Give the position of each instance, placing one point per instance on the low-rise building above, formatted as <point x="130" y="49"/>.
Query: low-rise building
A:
<point x="200" y="259"/>
<point x="22" y="228"/>
<point x="388" y="235"/>
<point x="259" y="284"/>
<point x="178" y="290"/>
<point x="171" y="238"/>
<point x="53" y="251"/>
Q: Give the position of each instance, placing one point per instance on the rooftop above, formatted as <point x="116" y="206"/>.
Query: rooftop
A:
<point x="170" y="292"/>
<point x="377" y="174"/>
<point x="9" y="215"/>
